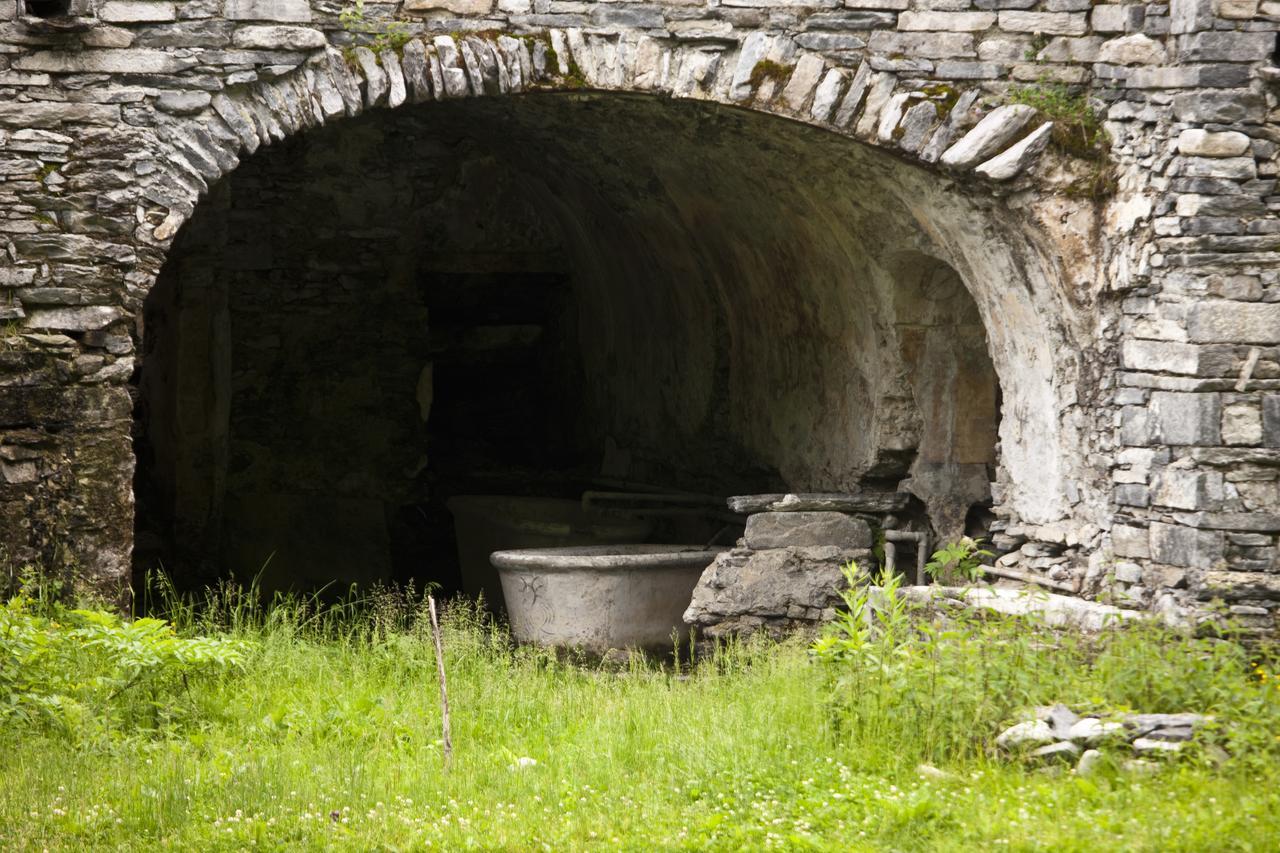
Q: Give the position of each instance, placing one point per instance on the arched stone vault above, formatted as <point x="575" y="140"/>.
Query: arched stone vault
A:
<point x="741" y="283"/>
<point x="1120" y="330"/>
<point x="1006" y="260"/>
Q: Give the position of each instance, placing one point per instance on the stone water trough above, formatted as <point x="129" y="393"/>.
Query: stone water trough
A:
<point x="603" y="597"/>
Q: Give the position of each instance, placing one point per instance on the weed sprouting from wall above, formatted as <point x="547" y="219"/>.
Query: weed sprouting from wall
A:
<point x="1077" y="132"/>
<point x="380" y="35"/>
<point x="767" y="69"/>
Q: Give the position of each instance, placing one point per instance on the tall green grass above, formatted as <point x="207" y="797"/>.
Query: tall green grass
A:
<point x="941" y="688"/>
<point x="328" y="738"/>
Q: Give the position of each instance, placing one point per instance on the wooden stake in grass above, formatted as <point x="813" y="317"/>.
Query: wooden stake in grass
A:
<point x="444" y="691"/>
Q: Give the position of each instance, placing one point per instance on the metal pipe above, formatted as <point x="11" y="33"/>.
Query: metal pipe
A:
<point x="922" y="549"/>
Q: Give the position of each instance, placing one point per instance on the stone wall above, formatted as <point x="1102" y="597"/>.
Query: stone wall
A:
<point x="1135" y="337"/>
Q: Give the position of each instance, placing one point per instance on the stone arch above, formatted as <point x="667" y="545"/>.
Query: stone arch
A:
<point x="995" y="253"/>
<point x="1002" y="256"/>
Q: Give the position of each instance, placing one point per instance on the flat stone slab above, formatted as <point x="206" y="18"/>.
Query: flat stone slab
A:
<point x="1056" y="610"/>
<point x="806" y="529"/>
<point x="875" y="502"/>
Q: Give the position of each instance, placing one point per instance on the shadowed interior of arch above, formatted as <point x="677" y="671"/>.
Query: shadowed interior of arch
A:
<point x="541" y="295"/>
<point x="47" y="8"/>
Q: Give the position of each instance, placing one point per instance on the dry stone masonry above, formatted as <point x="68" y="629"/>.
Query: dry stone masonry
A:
<point x="1131" y="308"/>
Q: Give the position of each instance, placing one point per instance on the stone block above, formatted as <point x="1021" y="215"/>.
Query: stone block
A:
<point x="1223" y="106"/>
<point x="1128" y="573"/>
<point x="627" y="15"/>
<point x="926" y="45"/>
<point x="1225" y="46"/>
<point x="278" y="38"/>
<point x="989" y="136"/>
<point x="1231" y="585"/>
<point x="136" y="11"/>
<point x="1003" y="49"/>
<point x="767" y="585"/>
<point x="826" y="41"/>
<point x="1231" y="168"/>
<point x="1220" y="321"/>
<point x="111" y="61"/>
<point x="1271" y="420"/>
<point x="1132" y="494"/>
<point x="285" y="11"/>
<point x="1048" y="23"/>
<point x="888" y="5"/>
<point x="1135" y="49"/>
<point x="1221" y="76"/>
<point x="806" y="529"/>
<point x="804" y="79"/>
<point x="1242" y="424"/>
<point x="1236" y="10"/>
<point x="1130" y="541"/>
<point x="1175" y="545"/>
<point x="960" y="70"/>
<point x="1157" y="576"/>
<point x="1071" y="49"/>
<point x="844" y="21"/>
<point x="458" y="7"/>
<point x="73" y="319"/>
<point x="1195" y="142"/>
<point x="182" y="102"/>
<point x="953" y="22"/>
<point x="1186" y="417"/>
<point x="1189" y="16"/>
<point x="1262" y="522"/>
<point x="1018" y="156"/>
<point x="1117" y="18"/>
<point x="1182" y="489"/>
<point x="826" y="95"/>
<point x="1137" y="427"/>
<point x="1161" y="356"/>
<point x="20" y="407"/>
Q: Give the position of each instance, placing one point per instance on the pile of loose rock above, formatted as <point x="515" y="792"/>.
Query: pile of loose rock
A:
<point x="1056" y="735"/>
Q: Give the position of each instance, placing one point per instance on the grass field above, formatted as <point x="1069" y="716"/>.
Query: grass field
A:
<point x="326" y="735"/>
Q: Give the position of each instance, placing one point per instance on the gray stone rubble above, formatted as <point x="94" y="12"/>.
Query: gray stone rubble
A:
<point x="1057" y="734"/>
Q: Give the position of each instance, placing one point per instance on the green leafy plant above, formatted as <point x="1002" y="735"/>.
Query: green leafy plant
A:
<point x="392" y="35"/>
<point x="1077" y="128"/>
<point x="74" y="670"/>
<point x="1038" y="43"/>
<point x="874" y="617"/>
<point x="1077" y="132"/>
<point x="961" y="559"/>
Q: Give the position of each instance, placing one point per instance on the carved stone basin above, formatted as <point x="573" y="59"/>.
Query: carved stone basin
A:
<point x="598" y="598"/>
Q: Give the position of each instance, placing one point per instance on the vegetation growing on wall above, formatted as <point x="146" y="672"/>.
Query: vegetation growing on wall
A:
<point x="767" y="69"/>
<point x="376" y="34"/>
<point x="1077" y="132"/>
